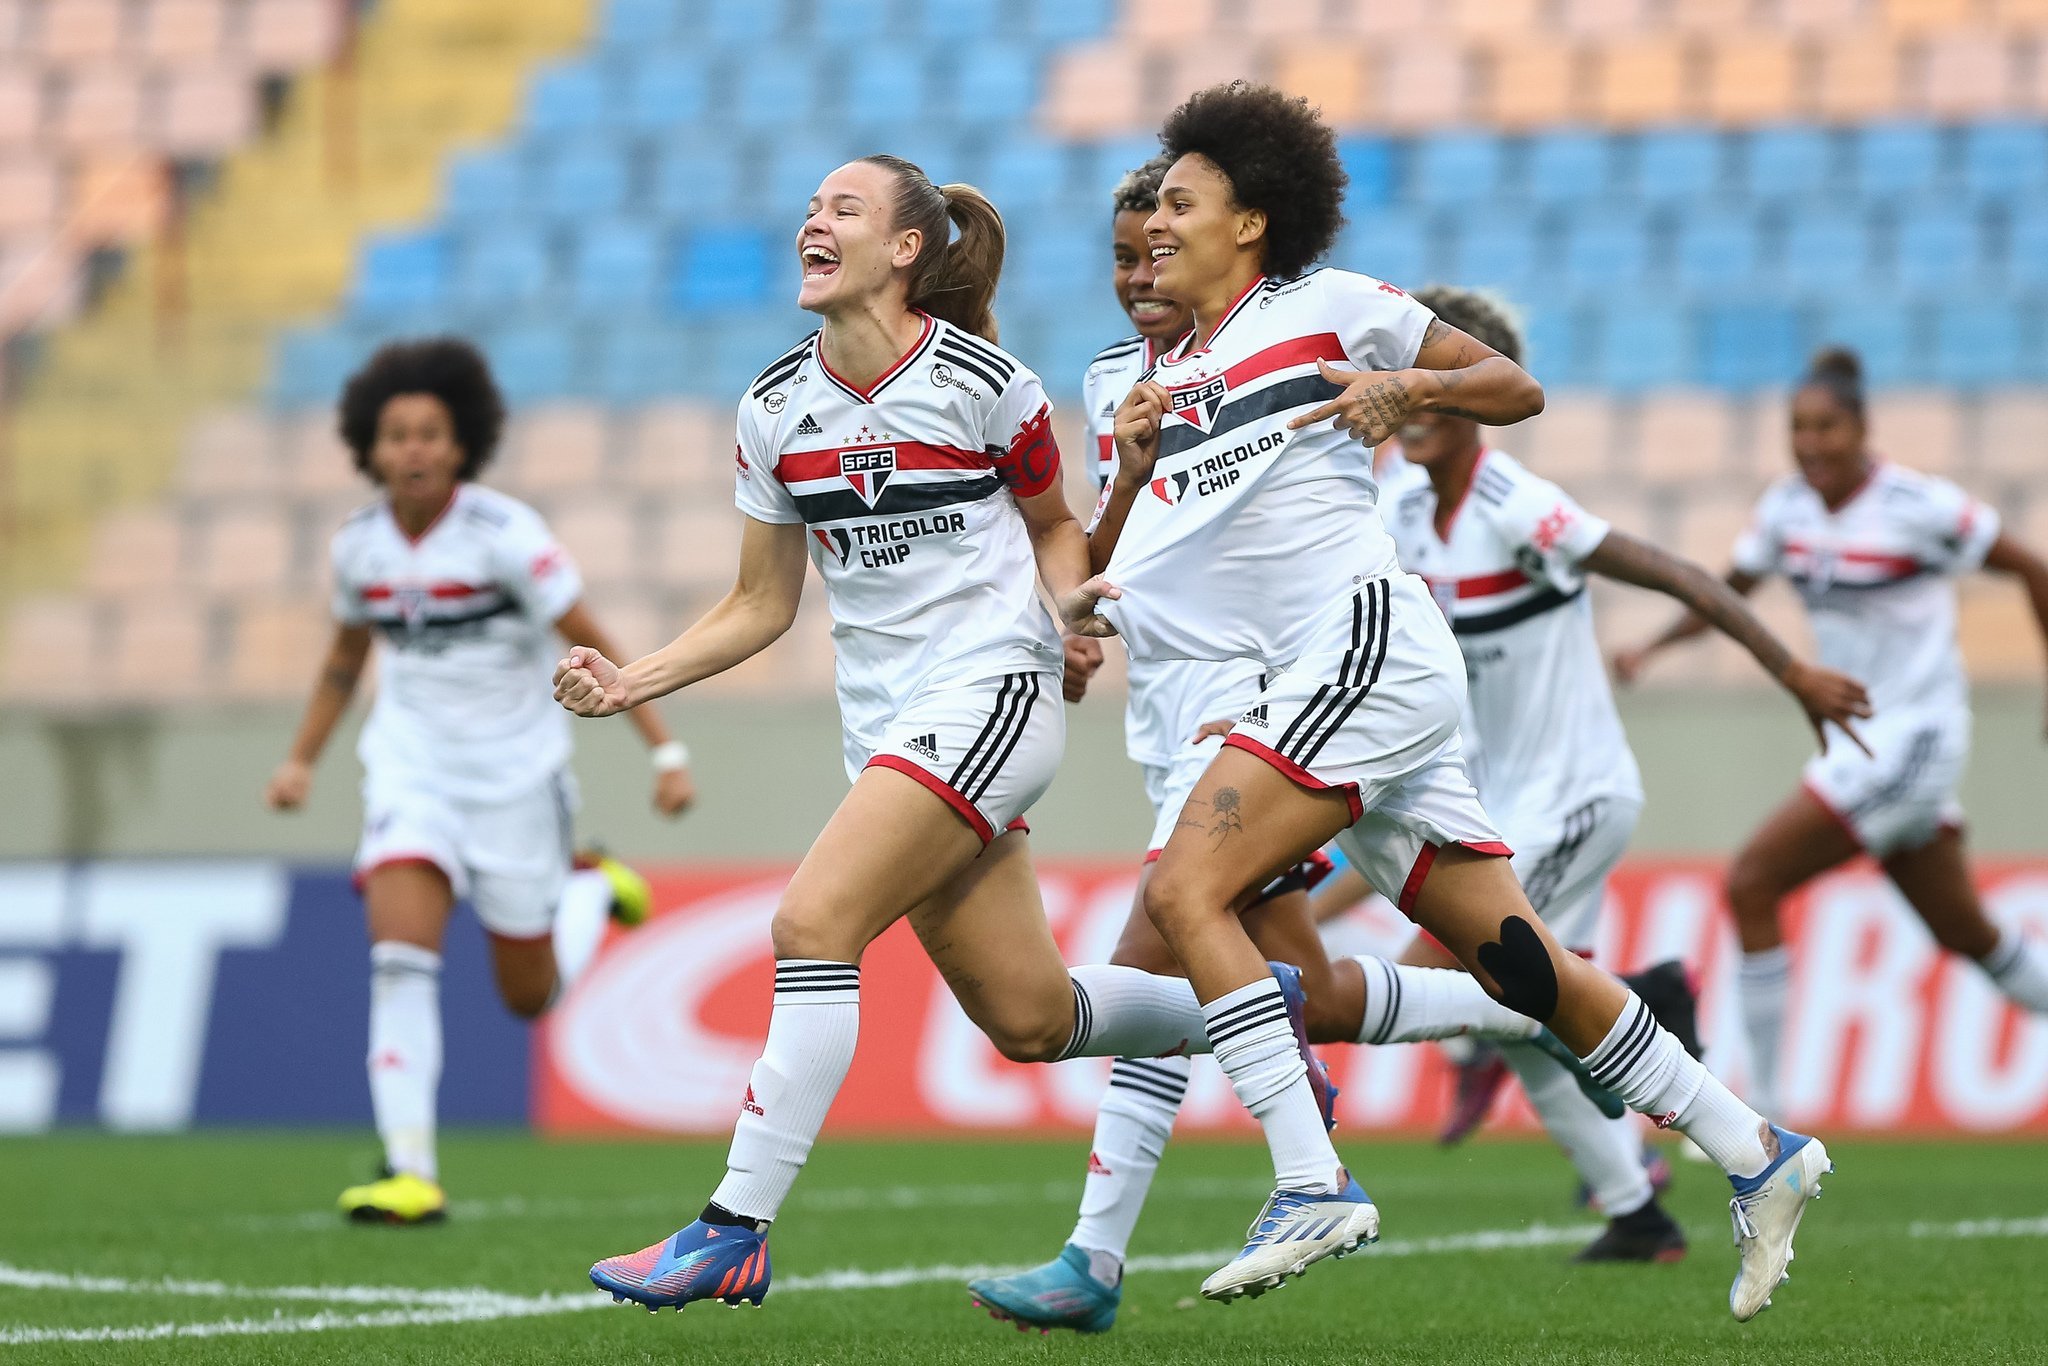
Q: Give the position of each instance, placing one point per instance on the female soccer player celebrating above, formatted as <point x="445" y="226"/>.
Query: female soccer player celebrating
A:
<point x="1872" y="548"/>
<point x="466" y="788"/>
<point x="914" y="461"/>
<point x="1241" y="524"/>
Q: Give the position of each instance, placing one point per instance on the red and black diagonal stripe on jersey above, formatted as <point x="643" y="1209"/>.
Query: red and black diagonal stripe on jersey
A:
<point x="1332" y="704"/>
<point x="822" y="492"/>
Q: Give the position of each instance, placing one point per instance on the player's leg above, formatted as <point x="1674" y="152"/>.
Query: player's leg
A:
<point x="1934" y="877"/>
<point x="1800" y="840"/>
<point x="519" y="855"/>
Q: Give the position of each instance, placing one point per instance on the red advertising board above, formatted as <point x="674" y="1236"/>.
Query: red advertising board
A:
<point x="1885" y="1032"/>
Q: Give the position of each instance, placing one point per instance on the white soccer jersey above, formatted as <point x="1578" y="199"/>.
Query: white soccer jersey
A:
<point x="1249" y="533"/>
<point x="464" y="703"/>
<point x="909" y="489"/>
<point x="1873" y="576"/>
<point x="1169" y="699"/>
<point x="1507" y="576"/>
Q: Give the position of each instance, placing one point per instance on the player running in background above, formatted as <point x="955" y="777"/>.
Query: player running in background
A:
<point x="914" y="461"/>
<point x="1241" y="524"/>
<point x="466" y="785"/>
<point x="1349" y="1000"/>
<point x="1872" y="548"/>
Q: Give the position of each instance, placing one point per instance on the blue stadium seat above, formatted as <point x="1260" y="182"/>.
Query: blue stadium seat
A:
<point x="1749" y="345"/>
<point x="1500" y="252"/>
<point x="636" y="25"/>
<point x="1370" y="164"/>
<point x="2005" y="158"/>
<point x="724" y="270"/>
<point x="1889" y="336"/>
<point x="848" y="21"/>
<point x="1676" y="164"/>
<point x="400" y="273"/>
<point x="1395" y="245"/>
<point x="1024" y="173"/>
<point x="532" y="362"/>
<point x="311" y="364"/>
<point x="1826" y="249"/>
<point x="1103" y="164"/>
<point x="486" y="187"/>
<point x="637" y="360"/>
<point x="1059" y="256"/>
<point x="665" y="91"/>
<point x="734" y="351"/>
<point x="885" y="84"/>
<point x="1567" y="165"/>
<point x="695" y="181"/>
<point x="1896" y="158"/>
<point x="1551" y="348"/>
<point x="1606" y="243"/>
<point x="616" y="268"/>
<point x="504" y="267"/>
<point x="1718" y="249"/>
<point x="1939" y="246"/>
<point x="2026" y="247"/>
<point x="995" y="83"/>
<point x="569" y="98"/>
<point x="581" y="180"/>
<point x="730" y="21"/>
<point x="787" y="183"/>
<point x="774" y="88"/>
<point x="952" y="20"/>
<point x="1984" y="341"/>
<point x="1455" y="168"/>
<point x="1643" y="341"/>
<point x="1066" y="21"/>
<point x="1788" y="161"/>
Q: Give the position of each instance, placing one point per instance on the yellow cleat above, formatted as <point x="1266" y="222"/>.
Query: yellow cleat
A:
<point x="398" y="1199"/>
<point x="632" y="898"/>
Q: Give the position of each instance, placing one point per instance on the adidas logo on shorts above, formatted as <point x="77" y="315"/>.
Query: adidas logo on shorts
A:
<point x="1255" y="717"/>
<point x="809" y="427"/>
<point x="926" y="744"/>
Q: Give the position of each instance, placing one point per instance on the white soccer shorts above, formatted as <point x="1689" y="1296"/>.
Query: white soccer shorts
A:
<point x="1371" y="710"/>
<point x="1564" y="873"/>
<point x="987" y="748"/>
<point x="510" y="859"/>
<point x="1906" y="795"/>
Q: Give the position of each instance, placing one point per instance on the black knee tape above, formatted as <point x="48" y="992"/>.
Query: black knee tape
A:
<point x="1521" y="967"/>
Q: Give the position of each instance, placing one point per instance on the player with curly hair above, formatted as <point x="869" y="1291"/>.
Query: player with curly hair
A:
<point x="1242" y="524"/>
<point x="1873" y="549"/>
<point x="467" y="791"/>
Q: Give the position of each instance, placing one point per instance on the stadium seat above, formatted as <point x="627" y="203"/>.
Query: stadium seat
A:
<point x="308" y="365"/>
<point x="1369" y="162"/>
<point x="1984" y="342"/>
<point x="1680" y="164"/>
<point x="1707" y="527"/>
<point x="485" y="187"/>
<point x="583" y="179"/>
<point x="633" y="361"/>
<point x="21" y="105"/>
<point x="161" y="647"/>
<point x="631" y="26"/>
<point x="1893" y="159"/>
<point x="616" y="268"/>
<point x="995" y="82"/>
<point x="1826" y="250"/>
<point x="601" y="534"/>
<point x="531" y="362"/>
<point x="245" y="553"/>
<point x="1071" y="20"/>
<point x="1641" y="343"/>
<point x="1095" y="91"/>
<point x="2005" y="157"/>
<point x="51" y="637"/>
<point x="1553" y="345"/>
<point x="1641" y="80"/>
<point x="1968" y="74"/>
<point x="848" y="21"/>
<point x="400" y="273"/>
<point x="80" y="32"/>
<point x="1605" y="243"/>
<point x="771" y="89"/>
<point x="1922" y="16"/>
<point x="1027" y="172"/>
<point x="118" y="200"/>
<point x="228" y="453"/>
<point x="737" y="21"/>
<point x="1103" y="163"/>
<point x="179" y="31"/>
<point x="678" y="447"/>
<point x="1684" y="436"/>
<point x="1391" y="244"/>
<point x="1922" y="428"/>
<point x="1751" y="77"/>
<point x="1860" y="75"/>
<point x="289" y="35"/>
<point x="1456" y="169"/>
<point x="1891" y="339"/>
<point x="29" y="193"/>
<point x="697" y="545"/>
<point x="951" y="21"/>
<point x="1537" y="81"/>
<point x="1499" y="253"/>
<point x="1938" y="246"/>
<point x="1710" y="18"/>
<point x="2026" y="255"/>
<point x="1820" y="18"/>
<point x="664" y="91"/>
<point x="1169" y="20"/>
<point x="569" y="99"/>
<point x="554" y="448"/>
<point x="1331" y="76"/>
<point x="1787" y="161"/>
<point x="1568" y="165"/>
<point x="204" y="113"/>
<point x="274" y="645"/>
<point x="2009" y="435"/>
<point x="1718" y="248"/>
<point x="317" y="466"/>
<point x="1059" y="257"/>
<point x="1423" y="85"/>
<point x="1364" y="18"/>
<point x="135" y="549"/>
<point x="508" y="267"/>
<point x="692" y="181"/>
<point x="884" y="84"/>
<point x="1750" y="345"/>
<point x="1571" y="441"/>
<point x="1494" y="19"/>
<point x="721" y="269"/>
<point x="100" y="108"/>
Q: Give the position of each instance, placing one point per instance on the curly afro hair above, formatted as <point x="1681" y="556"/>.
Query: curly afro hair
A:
<point x="1138" y="191"/>
<point x="1278" y="155"/>
<point x="450" y="369"/>
<point x="1477" y="314"/>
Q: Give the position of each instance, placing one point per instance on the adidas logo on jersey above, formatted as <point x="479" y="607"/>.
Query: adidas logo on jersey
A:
<point x="809" y="427"/>
<point x="926" y="744"/>
<point x="1255" y="717"/>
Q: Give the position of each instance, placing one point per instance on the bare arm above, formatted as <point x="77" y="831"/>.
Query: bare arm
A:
<point x="674" y="788"/>
<point x="1629" y="663"/>
<point x="332" y="691"/>
<point x="1057" y="541"/>
<point x="2008" y="556"/>
<point x="747" y="620"/>
<point x="1824" y="694"/>
<point x="1454" y="373"/>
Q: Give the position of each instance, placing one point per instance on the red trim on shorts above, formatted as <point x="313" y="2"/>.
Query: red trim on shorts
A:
<point x="1425" y="859"/>
<point x="1152" y="855"/>
<point x="1829" y="807"/>
<point x="362" y="875"/>
<point x="519" y="938"/>
<point x="1296" y="773"/>
<point x="1020" y="824"/>
<point x="976" y="822"/>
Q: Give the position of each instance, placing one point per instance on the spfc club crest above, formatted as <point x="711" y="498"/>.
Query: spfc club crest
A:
<point x="868" y="469"/>
<point x="1197" y="402"/>
<point x="411" y="601"/>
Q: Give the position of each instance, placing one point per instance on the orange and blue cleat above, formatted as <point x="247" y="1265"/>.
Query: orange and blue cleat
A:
<point x="723" y="1262"/>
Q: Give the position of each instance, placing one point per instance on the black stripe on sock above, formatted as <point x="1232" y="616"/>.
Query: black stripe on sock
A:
<point x="1635" y="1041"/>
<point x="1261" y="1006"/>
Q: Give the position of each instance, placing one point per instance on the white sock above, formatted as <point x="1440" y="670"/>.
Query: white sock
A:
<point x="405" y="1053"/>
<point x="810" y="1045"/>
<point x="1641" y="1062"/>
<point x="581" y="917"/>
<point x="1129" y="1013"/>
<point x="1606" y="1153"/>
<point x="2020" y="969"/>
<point x="1254" y="1043"/>
<point x="1131" y="1131"/>
<point x="1410" y="1005"/>
<point x="1766" y="978"/>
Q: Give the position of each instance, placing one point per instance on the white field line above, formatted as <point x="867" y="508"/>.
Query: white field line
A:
<point x="459" y="1305"/>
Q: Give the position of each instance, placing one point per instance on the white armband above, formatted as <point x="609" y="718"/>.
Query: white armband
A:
<point x="672" y="756"/>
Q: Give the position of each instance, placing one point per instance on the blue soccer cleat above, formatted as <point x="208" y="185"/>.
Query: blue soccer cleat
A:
<point x="1294" y="1231"/>
<point x="1060" y="1294"/>
<point x="720" y="1262"/>
<point x="1766" y="1211"/>
<point x="1296" y="997"/>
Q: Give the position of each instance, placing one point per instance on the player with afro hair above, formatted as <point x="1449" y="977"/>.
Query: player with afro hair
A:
<point x="451" y="370"/>
<point x="1281" y="161"/>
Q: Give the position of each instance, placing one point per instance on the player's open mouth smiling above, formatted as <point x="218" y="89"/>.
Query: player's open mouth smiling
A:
<point x="819" y="261"/>
<point x="1147" y="310"/>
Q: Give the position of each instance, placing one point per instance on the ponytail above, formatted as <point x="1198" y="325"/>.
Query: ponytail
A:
<point x="953" y="277"/>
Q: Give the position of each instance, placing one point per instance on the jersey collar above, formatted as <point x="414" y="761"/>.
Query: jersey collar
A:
<point x="454" y="496"/>
<point x="1451" y="522"/>
<point x="867" y="395"/>
<point x="1185" y="347"/>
